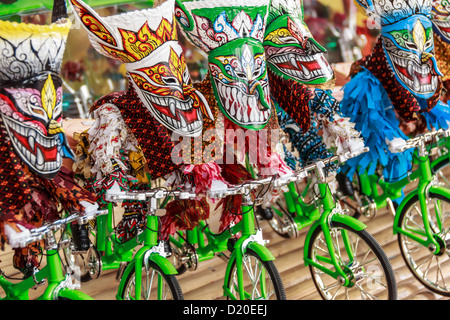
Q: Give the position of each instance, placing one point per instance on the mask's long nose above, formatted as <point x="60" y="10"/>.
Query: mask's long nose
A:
<point x="426" y="56"/>
<point x="265" y="104"/>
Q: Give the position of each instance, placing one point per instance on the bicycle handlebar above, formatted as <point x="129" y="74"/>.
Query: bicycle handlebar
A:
<point x="399" y="145"/>
<point x="244" y="188"/>
<point x="25" y="238"/>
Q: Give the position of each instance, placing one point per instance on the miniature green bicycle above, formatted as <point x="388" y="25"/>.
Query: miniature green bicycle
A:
<point x="345" y="261"/>
<point x="421" y="221"/>
<point x="251" y="273"/>
<point x="61" y="284"/>
<point x="146" y="274"/>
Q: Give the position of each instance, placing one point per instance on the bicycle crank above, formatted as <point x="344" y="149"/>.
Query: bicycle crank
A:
<point x="188" y="257"/>
<point x="370" y="209"/>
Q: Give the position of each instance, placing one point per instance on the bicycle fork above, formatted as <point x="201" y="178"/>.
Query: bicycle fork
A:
<point x="150" y="251"/>
<point x="250" y="239"/>
<point x="331" y="214"/>
<point x="426" y="183"/>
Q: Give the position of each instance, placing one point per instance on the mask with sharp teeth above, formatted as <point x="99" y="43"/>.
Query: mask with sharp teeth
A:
<point x="291" y="50"/>
<point x="146" y="41"/>
<point x="440" y="16"/>
<point x="31" y="93"/>
<point x="407" y="35"/>
<point x="231" y="34"/>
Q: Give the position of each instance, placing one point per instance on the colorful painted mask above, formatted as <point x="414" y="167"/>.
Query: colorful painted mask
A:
<point x="291" y="50"/>
<point x="407" y="35"/>
<point x="146" y="41"/>
<point x="440" y="16"/>
<point x="31" y="93"/>
<point x="231" y="34"/>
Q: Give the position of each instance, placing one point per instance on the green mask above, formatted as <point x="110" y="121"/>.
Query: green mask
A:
<point x="291" y="50"/>
<point x="232" y="37"/>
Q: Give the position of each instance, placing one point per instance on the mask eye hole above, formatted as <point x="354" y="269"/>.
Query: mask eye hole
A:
<point x="290" y="40"/>
<point x="411" y="45"/>
<point x="170" y="80"/>
<point x="241" y="75"/>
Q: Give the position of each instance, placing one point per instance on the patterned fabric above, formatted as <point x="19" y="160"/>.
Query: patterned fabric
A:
<point x="152" y="137"/>
<point x="310" y="145"/>
<point x="188" y="214"/>
<point x="293" y="98"/>
<point x="130" y="224"/>
<point x="14" y="189"/>
<point x="403" y="101"/>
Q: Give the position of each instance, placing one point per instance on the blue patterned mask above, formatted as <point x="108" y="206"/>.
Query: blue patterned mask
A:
<point x="407" y="34"/>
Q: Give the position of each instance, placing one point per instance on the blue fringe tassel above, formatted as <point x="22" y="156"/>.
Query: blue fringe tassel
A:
<point x="367" y="104"/>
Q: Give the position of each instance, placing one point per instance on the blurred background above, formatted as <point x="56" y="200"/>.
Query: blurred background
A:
<point x="336" y="24"/>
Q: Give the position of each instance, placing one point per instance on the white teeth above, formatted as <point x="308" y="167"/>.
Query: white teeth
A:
<point x="416" y="83"/>
<point x="410" y="68"/>
<point x="172" y="108"/>
<point x="31" y="142"/>
<point x="243" y="108"/>
<point x="39" y="157"/>
<point x="245" y="112"/>
<point x="414" y="70"/>
<point x="227" y="104"/>
<point x="293" y="61"/>
<point x="37" y="162"/>
<point x="232" y="109"/>
<point x="174" y="105"/>
<point x="301" y="73"/>
<point x="183" y="122"/>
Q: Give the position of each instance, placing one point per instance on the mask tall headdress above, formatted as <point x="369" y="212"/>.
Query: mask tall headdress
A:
<point x="31" y="91"/>
<point x="231" y="33"/>
<point x="291" y="50"/>
<point x="407" y="38"/>
<point x="146" y="42"/>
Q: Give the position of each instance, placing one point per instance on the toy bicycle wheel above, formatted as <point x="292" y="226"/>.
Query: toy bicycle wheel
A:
<point x="155" y="285"/>
<point x="430" y="268"/>
<point x="361" y="258"/>
<point x="261" y="279"/>
<point x="439" y="170"/>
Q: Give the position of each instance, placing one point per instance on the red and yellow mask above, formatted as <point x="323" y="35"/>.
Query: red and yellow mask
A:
<point x="31" y="93"/>
<point x="146" y="41"/>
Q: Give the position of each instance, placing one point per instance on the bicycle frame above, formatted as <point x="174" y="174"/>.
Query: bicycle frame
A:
<point x="392" y="190"/>
<point x="116" y="252"/>
<point x="217" y="243"/>
<point x="59" y="285"/>
<point x="305" y="215"/>
<point x="53" y="273"/>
